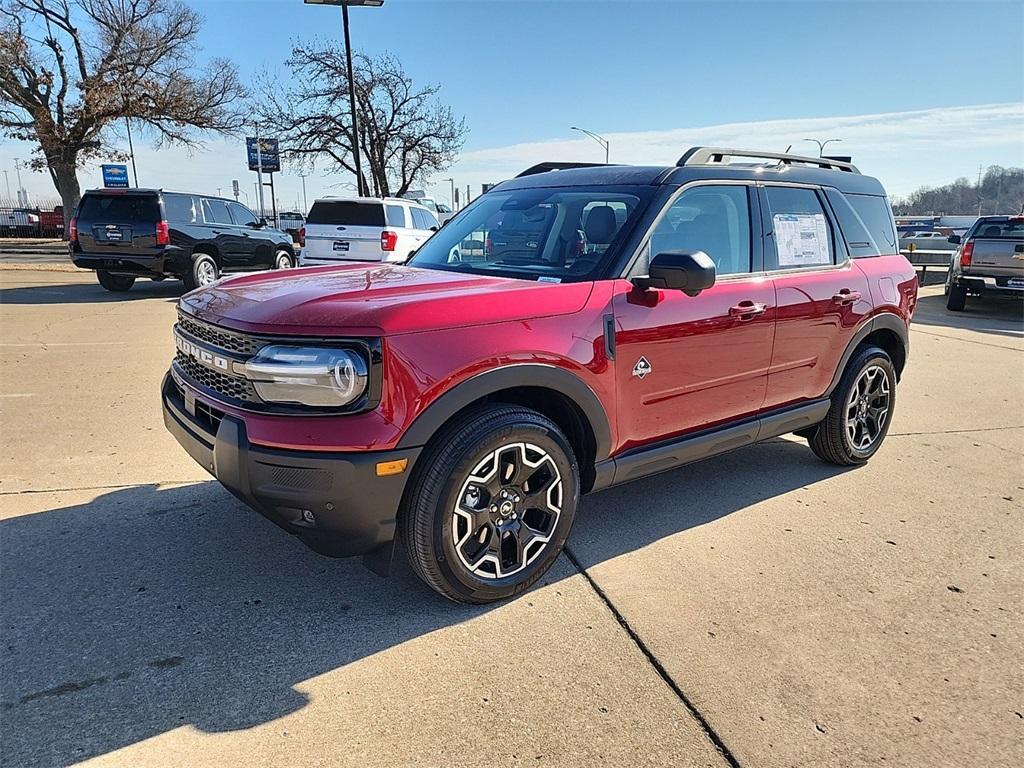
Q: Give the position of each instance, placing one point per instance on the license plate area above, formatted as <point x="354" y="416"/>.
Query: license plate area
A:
<point x="113" y="234"/>
<point x="341" y="246"/>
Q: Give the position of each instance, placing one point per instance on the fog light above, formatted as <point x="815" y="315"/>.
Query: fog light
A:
<point x="386" y="468"/>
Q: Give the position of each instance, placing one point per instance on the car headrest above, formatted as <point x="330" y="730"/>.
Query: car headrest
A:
<point x="991" y="231"/>
<point x="600" y="225"/>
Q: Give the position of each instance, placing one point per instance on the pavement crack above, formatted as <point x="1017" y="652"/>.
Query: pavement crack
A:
<point x="663" y="673"/>
<point x="27" y="491"/>
<point x="955" y="431"/>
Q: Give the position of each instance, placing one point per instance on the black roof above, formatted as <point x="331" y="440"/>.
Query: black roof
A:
<point x="792" y="168"/>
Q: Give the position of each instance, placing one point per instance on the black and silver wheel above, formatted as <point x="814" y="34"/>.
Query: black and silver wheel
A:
<point x="283" y="260"/>
<point x="861" y="410"/>
<point x="204" y="272"/>
<point x="492" y="504"/>
<point x="115" y="283"/>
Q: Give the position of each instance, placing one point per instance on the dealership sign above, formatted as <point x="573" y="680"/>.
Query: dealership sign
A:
<point x="115" y="176"/>
<point x="263" y="154"/>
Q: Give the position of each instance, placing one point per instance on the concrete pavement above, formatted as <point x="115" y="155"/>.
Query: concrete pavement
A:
<point x="797" y="614"/>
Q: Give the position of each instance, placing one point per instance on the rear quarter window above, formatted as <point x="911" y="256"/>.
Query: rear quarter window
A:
<point x="346" y="213"/>
<point x="180" y="209"/>
<point x="396" y="215"/>
<point x="855" y="232"/>
<point x="876" y="214"/>
<point x="119" y="208"/>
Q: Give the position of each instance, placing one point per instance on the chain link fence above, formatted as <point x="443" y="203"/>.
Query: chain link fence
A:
<point x="41" y="219"/>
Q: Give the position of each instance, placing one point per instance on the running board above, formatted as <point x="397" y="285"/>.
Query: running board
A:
<point x="649" y="460"/>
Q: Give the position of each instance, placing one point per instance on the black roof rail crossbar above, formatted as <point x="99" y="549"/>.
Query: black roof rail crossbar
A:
<point x="557" y="166"/>
<point x="710" y="155"/>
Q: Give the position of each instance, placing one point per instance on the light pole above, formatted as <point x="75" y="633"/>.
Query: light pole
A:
<point x="22" y="197"/>
<point x="596" y="137"/>
<point x="360" y="190"/>
<point x="452" y="182"/>
<point x="822" y="145"/>
<point x="305" y="205"/>
<point x="7" y="181"/>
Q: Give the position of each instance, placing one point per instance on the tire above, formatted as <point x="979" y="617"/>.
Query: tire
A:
<point x="204" y="272"/>
<point x="869" y="370"/>
<point x="495" y="546"/>
<point x="115" y="283"/>
<point x="956" y="299"/>
<point x="283" y="260"/>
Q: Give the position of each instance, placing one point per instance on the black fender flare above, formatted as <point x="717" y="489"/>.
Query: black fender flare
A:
<point x="537" y="375"/>
<point x="883" y="321"/>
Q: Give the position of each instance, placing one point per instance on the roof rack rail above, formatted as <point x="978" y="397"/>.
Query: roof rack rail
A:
<point x="557" y="166"/>
<point x="712" y="155"/>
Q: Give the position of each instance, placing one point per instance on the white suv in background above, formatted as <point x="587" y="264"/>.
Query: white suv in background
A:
<point x="364" y="229"/>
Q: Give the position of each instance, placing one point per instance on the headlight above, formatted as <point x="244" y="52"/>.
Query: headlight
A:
<point x="307" y="375"/>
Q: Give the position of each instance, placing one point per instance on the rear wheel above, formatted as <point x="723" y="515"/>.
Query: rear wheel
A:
<point x="204" y="272"/>
<point x="492" y="504"/>
<point x="861" y="411"/>
<point x="115" y="283"/>
<point x="956" y="298"/>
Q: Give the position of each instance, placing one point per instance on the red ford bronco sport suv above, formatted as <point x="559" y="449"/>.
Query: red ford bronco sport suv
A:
<point x="458" y="406"/>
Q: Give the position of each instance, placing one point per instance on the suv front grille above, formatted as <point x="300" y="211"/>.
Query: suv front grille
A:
<point x="230" y="386"/>
<point x="222" y="338"/>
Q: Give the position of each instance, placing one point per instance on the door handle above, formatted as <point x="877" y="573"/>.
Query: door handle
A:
<point x="845" y="297"/>
<point x="748" y="310"/>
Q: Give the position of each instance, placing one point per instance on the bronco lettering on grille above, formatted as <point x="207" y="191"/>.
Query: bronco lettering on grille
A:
<point x="202" y="355"/>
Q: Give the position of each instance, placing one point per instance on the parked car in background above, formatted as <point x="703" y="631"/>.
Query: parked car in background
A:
<point x="989" y="260"/>
<point x="19" y="222"/>
<point x="125" y="234"/>
<point x="364" y="229"/>
<point x="291" y="222"/>
<point x="461" y="408"/>
<point x="440" y="210"/>
<point x="935" y="240"/>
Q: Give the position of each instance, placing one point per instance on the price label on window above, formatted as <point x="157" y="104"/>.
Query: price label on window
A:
<point x="801" y="239"/>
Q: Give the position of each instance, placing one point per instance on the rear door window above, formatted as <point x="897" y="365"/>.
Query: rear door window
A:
<point x="422" y="219"/>
<point x="801" y="232"/>
<point x="119" y="208"/>
<point x="876" y="214"/>
<point x="396" y="215"/>
<point x="216" y="211"/>
<point x="180" y="209"/>
<point x="348" y="213"/>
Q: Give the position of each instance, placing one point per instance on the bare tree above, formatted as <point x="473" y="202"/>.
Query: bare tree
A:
<point x="405" y="134"/>
<point x="70" y="68"/>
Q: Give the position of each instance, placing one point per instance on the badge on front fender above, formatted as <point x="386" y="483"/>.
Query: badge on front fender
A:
<point x="642" y="368"/>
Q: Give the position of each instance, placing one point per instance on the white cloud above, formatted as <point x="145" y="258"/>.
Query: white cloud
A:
<point x="904" y="149"/>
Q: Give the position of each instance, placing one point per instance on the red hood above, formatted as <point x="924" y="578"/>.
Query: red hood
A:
<point x="377" y="300"/>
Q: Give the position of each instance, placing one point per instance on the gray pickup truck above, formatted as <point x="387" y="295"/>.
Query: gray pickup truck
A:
<point x="989" y="259"/>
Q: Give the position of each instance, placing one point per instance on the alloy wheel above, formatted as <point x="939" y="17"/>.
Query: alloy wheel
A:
<point x="867" y="407"/>
<point x="206" y="272"/>
<point x="507" y="510"/>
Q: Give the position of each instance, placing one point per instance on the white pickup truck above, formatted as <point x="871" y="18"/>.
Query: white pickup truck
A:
<point x="989" y="259"/>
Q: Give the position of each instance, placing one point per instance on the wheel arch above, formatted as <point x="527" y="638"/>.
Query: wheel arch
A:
<point x="887" y="331"/>
<point x="207" y="249"/>
<point x="554" y="392"/>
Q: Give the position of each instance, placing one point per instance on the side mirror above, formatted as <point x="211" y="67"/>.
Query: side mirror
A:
<point x="434" y="229"/>
<point x="954" y="239"/>
<point x="688" y="271"/>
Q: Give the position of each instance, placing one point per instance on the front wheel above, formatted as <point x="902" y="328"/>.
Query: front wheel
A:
<point x="491" y="505"/>
<point x="115" y="283"/>
<point x="283" y="260"/>
<point x="861" y="411"/>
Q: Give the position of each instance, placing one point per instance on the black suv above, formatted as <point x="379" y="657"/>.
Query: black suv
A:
<point x="130" y="233"/>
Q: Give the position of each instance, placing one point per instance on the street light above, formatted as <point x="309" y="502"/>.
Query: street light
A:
<point x="351" y="79"/>
<point x="822" y="144"/>
<point x="452" y="182"/>
<point x="596" y="137"/>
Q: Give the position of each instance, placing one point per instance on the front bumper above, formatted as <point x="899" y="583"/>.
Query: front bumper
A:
<point x="334" y="502"/>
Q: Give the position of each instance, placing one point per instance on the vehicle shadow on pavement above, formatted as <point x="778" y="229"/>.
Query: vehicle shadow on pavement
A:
<point x="151" y="608"/>
<point x="999" y="315"/>
<point x="85" y="293"/>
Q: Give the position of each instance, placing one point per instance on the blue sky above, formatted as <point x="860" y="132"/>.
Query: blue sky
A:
<point x="647" y="74"/>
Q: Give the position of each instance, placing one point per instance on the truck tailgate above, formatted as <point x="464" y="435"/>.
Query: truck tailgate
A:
<point x="998" y="257"/>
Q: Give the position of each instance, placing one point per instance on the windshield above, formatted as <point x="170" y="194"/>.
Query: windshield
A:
<point x="549" y="233"/>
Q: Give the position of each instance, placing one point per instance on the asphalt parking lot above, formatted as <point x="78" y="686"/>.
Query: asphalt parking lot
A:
<point x="757" y="609"/>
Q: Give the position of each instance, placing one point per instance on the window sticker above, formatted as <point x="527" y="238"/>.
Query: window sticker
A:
<point x="801" y="239"/>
